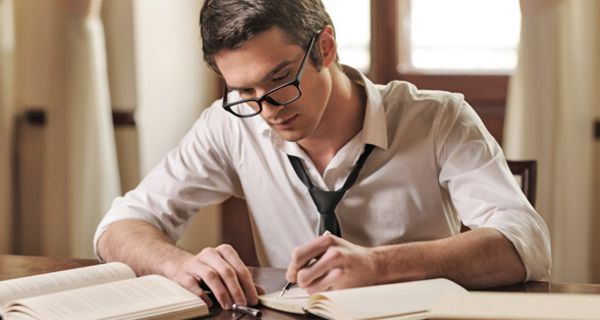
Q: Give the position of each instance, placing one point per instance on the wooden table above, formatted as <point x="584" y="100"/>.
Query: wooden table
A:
<point x="271" y="279"/>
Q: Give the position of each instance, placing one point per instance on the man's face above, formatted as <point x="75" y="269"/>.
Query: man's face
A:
<point x="269" y="60"/>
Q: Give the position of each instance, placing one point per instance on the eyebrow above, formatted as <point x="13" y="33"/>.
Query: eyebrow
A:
<point x="273" y="71"/>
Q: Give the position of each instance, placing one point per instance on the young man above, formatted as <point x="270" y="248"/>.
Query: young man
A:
<point x="292" y="123"/>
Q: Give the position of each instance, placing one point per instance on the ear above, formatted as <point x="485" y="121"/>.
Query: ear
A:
<point x="328" y="46"/>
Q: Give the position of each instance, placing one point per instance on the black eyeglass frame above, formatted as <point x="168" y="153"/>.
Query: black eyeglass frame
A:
<point x="265" y="97"/>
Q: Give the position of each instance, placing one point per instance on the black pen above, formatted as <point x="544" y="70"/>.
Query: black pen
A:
<point x="247" y="310"/>
<point x="312" y="261"/>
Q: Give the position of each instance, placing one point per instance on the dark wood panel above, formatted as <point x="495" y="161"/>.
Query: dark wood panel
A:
<point x="28" y="180"/>
<point x="123" y="119"/>
<point x="492" y="115"/>
<point x="384" y="40"/>
<point x="492" y="88"/>
<point x="38" y="117"/>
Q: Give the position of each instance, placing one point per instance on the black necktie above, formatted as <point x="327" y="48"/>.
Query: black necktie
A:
<point x="327" y="201"/>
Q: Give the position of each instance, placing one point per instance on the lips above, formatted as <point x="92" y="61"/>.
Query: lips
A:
<point x="285" y="124"/>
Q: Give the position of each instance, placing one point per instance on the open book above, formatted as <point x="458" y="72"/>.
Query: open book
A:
<point x="407" y="300"/>
<point x="106" y="291"/>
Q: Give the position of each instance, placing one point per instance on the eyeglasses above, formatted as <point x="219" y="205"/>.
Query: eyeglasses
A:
<point x="279" y="96"/>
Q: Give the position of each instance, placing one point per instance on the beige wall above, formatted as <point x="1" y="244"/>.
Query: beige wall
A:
<point x="155" y="67"/>
<point x="117" y="17"/>
<point x="595" y="252"/>
<point x="595" y="232"/>
<point x="156" y="70"/>
<point x="173" y="86"/>
<point x="6" y="124"/>
<point x="40" y="76"/>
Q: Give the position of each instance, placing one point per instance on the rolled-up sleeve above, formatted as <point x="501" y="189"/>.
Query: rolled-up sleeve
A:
<point x="196" y="174"/>
<point x="483" y="190"/>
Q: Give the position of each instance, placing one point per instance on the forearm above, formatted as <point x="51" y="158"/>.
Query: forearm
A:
<point x="142" y="246"/>
<point x="476" y="259"/>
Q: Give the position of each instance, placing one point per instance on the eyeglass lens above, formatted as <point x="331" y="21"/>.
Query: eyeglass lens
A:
<point x="281" y="96"/>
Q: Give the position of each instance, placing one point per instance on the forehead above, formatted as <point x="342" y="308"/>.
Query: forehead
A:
<point x="247" y="65"/>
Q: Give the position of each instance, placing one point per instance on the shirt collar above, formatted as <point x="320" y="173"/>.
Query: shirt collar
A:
<point x="374" y="125"/>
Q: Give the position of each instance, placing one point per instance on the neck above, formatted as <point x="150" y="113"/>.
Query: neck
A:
<point x="342" y="120"/>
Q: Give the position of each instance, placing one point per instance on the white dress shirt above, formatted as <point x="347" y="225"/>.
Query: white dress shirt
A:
<point x="433" y="166"/>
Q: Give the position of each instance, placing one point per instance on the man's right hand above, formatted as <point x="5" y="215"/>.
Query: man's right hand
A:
<point x="148" y="250"/>
<point x="222" y="270"/>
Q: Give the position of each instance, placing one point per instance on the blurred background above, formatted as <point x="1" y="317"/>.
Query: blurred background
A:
<point x="93" y="93"/>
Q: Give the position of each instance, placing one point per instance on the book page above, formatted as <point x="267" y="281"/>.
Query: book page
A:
<point x="293" y="301"/>
<point x="518" y="306"/>
<point x="397" y="299"/>
<point x="135" y="298"/>
<point x="13" y="289"/>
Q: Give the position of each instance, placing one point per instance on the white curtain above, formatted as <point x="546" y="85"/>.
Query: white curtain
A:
<point x="553" y="101"/>
<point x="6" y="121"/>
<point x="93" y="168"/>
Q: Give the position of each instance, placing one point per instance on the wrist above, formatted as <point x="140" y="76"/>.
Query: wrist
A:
<point x="404" y="262"/>
<point x="382" y="265"/>
<point x="173" y="262"/>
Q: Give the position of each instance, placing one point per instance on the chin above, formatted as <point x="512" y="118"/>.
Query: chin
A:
<point x="291" y="136"/>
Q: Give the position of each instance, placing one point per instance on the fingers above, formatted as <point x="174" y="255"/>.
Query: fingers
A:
<point x="333" y="258"/>
<point x="228" y="278"/>
<point x="250" y="294"/>
<point x="304" y="254"/>
<point x="330" y="281"/>
<point x="213" y="280"/>
<point x="192" y="284"/>
<point x="259" y="290"/>
<point x="341" y="264"/>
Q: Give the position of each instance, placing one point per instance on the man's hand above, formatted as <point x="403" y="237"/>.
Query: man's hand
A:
<point x="342" y="264"/>
<point x="148" y="250"/>
<point x="222" y="270"/>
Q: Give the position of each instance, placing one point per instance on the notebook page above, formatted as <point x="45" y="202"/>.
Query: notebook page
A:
<point x="388" y="300"/>
<point x="293" y="301"/>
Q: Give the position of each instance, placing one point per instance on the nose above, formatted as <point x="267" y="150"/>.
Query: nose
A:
<point x="270" y="110"/>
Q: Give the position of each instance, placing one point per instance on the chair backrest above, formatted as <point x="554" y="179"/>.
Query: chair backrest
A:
<point x="526" y="173"/>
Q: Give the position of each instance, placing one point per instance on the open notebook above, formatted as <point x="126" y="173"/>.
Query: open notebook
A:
<point x="408" y="300"/>
<point x="436" y="299"/>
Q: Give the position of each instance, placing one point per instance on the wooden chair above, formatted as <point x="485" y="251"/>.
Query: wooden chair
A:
<point x="526" y="172"/>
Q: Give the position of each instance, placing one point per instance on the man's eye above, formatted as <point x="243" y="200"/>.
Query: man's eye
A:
<point x="281" y="78"/>
<point x="246" y="92"/>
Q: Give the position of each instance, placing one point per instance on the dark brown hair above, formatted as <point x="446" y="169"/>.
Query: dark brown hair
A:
<point x="228" y="24"/>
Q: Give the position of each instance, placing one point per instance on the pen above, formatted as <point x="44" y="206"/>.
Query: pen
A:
<point x="312" y="261"/>
<point x="247" y="310"/>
